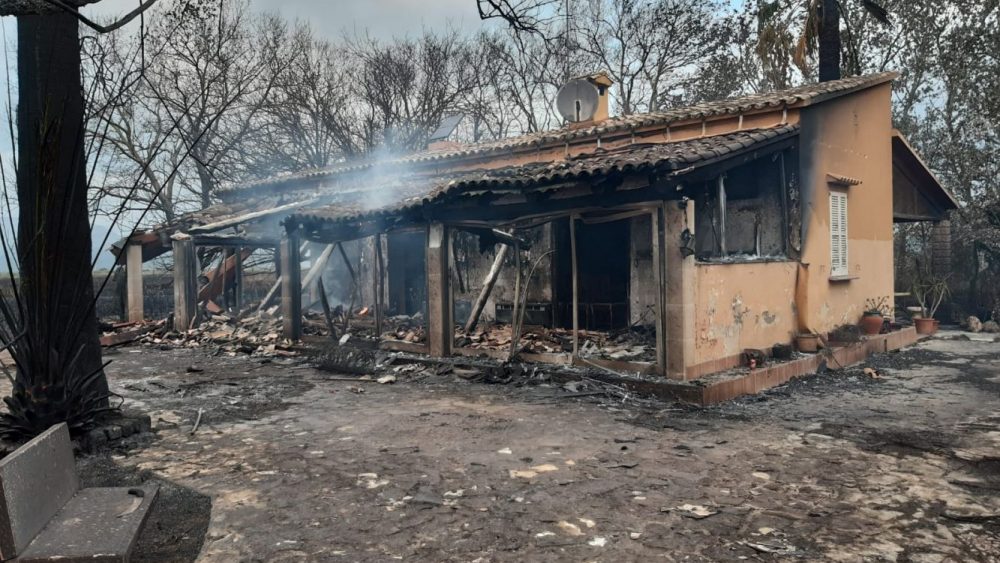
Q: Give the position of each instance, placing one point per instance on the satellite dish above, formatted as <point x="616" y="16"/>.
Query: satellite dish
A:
<point x="577" y="100"/>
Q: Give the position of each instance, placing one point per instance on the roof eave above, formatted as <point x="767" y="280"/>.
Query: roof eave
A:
<point x="898" y="135"/>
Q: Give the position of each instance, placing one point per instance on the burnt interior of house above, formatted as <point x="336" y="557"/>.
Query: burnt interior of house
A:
<point x="407" y="265"/>
<point x="602" y="274"/>
<point x="744" y="214"/>
<point x="572" y="265"/>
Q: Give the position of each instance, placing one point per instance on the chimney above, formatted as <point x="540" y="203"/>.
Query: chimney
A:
<point x="603" y="83"/>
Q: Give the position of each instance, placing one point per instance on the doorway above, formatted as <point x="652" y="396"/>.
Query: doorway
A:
<point x="602" y="274"/>
<point x="407" y="269"/>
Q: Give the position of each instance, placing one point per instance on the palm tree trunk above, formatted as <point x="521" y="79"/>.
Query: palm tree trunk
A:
<point x="54" y="242"/>
<point x="829" y="41"/>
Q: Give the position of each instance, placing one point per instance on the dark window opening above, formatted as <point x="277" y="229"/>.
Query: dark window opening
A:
<point x="602" y="274"/>
<point x="746" y="216"/>
<point x="407" y="269"/>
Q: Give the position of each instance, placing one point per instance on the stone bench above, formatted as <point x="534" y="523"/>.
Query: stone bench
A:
<point x="44" y="516"/>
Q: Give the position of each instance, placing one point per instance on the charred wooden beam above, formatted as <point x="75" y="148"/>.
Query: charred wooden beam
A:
<point x="271" y="294"/>
<point x="347" y="262"/>
<point x="721" y="204"/>
<point x="318" y="265"/>
<point x="221" y="276"/>
<point x="710" y="169"/>
<point x="238" y="282"/>
<point x="327" y="315"/>
<point x="576" y="290"/>
<point x="226" y="241"/>
<point x="234" y="221"/>
<point x="484" y="294"/>
<point x="659" y="279"/>
<point x="379" y="286"/>
<point x="491" y="235"/>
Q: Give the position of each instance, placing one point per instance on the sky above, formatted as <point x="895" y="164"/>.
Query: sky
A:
<point x="383" y="19"/>
<point x="330" y="18"/>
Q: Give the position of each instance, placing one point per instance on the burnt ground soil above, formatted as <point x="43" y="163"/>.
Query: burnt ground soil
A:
<point x="289" y="464"/>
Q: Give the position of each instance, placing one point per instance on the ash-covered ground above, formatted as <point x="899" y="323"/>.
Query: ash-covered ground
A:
<point x="294" y="464"/>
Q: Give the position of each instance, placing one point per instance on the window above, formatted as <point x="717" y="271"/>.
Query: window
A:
<point x="838" y="234"/>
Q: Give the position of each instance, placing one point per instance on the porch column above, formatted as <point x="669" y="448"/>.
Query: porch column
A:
<point x="185" y="283"/>
<point x="941" y="248"/>
<point x="576" y="288"/>
<point x="133" y="277"/>
<point x="440" y="327"/>
<point x="679" y="294"/>
<point x="379" y="286"/>
<point x="291" y="286"/>
<point x="238" y="282"/>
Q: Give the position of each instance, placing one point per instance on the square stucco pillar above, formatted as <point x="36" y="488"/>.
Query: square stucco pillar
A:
<point x="185" y="283"/>
<point x="291" y="286"/>
<point x="679" y="301"/>
<point x="133" y="278"/>
<point x="440" y="327"/>
<point x="941" y="248"/>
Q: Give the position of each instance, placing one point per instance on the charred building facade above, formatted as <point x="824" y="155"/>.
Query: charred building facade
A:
<point x="670" y="241"/>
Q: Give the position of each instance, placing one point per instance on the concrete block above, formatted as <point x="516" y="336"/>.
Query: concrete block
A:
<point x="97" y="525"/>
<point x="144" y="423"/>
<point x="94" y="439"/>
<point x="128" y="427"/>
<point x="36" y="481"/>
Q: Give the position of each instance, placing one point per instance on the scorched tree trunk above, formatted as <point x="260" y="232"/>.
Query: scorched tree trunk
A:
<point x="829" y="41"/>
<point x="54" y="244"/>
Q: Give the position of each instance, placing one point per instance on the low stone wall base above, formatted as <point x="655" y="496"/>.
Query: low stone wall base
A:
<point x="758" y="380"/>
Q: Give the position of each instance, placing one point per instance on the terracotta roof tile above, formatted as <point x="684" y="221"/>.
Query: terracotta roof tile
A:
<point x="416" y="190"/>
<point x="792" y="97"/>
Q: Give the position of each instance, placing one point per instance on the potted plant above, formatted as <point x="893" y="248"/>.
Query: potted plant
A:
<point x="876" y="310"/>
<point x="929" y="292"/>
<point x="807" y="342"/>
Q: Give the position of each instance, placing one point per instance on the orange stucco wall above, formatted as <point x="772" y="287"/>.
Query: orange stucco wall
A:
<point x="850" y="136"/>
<point x="758" y="304"/>
<point x="755" y="305"/>
<point x="739" y="306"/>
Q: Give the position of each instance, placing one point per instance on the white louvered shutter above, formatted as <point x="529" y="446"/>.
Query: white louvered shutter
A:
<point x="838" y="234"/>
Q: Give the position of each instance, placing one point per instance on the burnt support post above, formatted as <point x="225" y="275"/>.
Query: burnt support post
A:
<point x="185" y="283"/>
<point x="484" y="293"/>
<point x="941" y="248"/>
<point x="721" y="203"/>
<point x="133" y="277"/>
<point x="223" y="279"/>
<point x="291" y="286"/>
<point x="379" y="286"/>
<point x="440" y="327"/>
<point x="238" y="282"/>
<point x="660" y="285"/>
<point x="576" y="289"/>
<point x="679" y="295"/>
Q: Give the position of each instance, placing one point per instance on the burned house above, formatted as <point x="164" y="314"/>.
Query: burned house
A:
<point x="681" y="237"/>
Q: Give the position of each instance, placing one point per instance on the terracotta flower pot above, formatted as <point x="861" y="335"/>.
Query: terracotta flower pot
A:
<point x="926" y="325"/>
<point x="871" y="324"/>
<point x="808" y="343"/>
